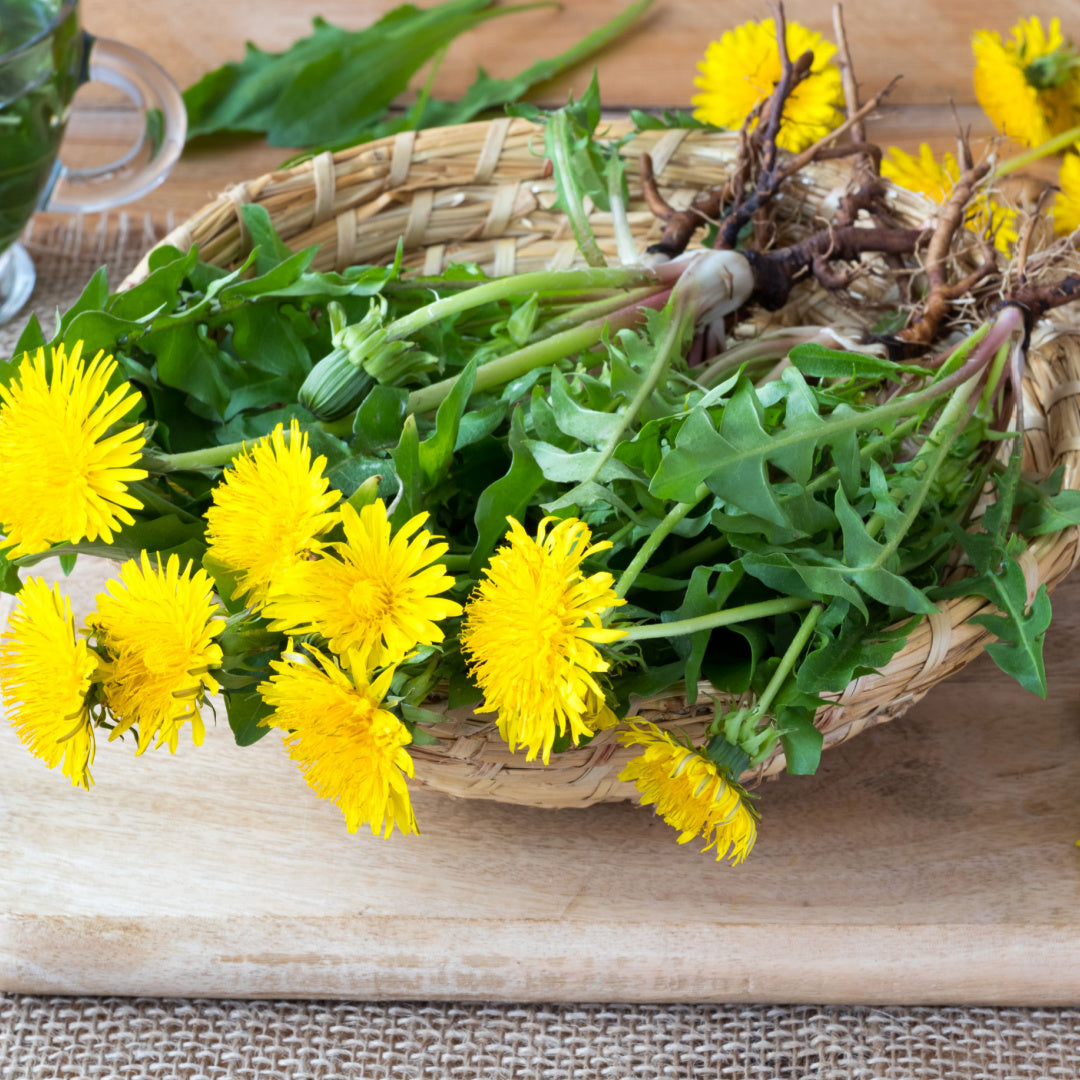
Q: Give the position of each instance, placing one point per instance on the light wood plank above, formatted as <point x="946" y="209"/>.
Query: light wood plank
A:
<point x="929" y="43"/>
<point x="930" y="860"/>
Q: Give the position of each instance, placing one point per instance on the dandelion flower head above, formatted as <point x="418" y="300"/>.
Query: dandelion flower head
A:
<point x="936" y="179"/>
<point x="63" y="476"/>
<point x="742" y="68"/>
<point x="689" y="792"/>
<point x="530" y="633"/>
<point x="350" y="749"/>
<point x="1067" y="201"/>
<point x="376" y="593"/>
<point x="157" y="627"/>
<point x="1028" y="86"/>
<point x="269" y="510"/>
<point x="46" y="673"/>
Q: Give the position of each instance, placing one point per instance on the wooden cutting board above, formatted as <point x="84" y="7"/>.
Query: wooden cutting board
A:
<point x="931" y="860"/>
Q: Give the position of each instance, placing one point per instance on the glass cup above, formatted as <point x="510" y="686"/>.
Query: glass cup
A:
<point x="45" y="57"/>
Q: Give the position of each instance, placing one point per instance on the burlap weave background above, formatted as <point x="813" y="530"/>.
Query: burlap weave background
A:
<point x="42" y="1038"/>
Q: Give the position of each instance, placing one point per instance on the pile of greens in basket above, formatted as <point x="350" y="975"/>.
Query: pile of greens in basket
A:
<point x="342" y="499"/>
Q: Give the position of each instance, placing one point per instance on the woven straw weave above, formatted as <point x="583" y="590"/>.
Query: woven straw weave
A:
<point x="483" y="193"/>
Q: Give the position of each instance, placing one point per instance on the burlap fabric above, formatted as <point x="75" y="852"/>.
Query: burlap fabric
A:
<point x="132" y="1039"/>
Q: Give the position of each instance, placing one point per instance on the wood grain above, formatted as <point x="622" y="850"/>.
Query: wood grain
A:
<point x="931" y="860"/>
<point x="651" y="67"/>
<point x="927" y="42"/>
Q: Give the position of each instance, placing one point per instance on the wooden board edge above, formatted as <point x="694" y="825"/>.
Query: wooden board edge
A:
<point x="462" y="959"/>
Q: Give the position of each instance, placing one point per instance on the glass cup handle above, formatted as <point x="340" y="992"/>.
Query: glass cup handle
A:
<point x="150" y="87"/>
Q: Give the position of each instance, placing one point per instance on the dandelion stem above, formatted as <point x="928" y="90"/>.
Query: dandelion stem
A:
<point x="510" y="366"/>
<point x="787" y="661"/>
<point x="727" y="617"/>
<point x="456" y="562"/>
<point x="210" y="457"/>
<point x="679" y="320"/>
<point x="655" y="539"/>
<point x="154" y="500"/>
<point x="1052" y="146"/>
<point x="517" y="285"/>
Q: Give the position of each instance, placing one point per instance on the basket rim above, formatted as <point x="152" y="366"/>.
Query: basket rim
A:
<point x="931" y="651"/>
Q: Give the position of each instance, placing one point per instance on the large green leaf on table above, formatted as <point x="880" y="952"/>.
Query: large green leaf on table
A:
<point x="334" y="86"/>
<point x="487" y="93"/>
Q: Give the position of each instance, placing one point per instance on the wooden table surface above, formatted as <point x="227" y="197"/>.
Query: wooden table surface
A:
<point x="931" y="860"/>
<point x="652" y="66"/>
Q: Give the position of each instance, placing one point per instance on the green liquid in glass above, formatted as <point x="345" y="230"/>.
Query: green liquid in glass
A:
<point x="41" y="55"/>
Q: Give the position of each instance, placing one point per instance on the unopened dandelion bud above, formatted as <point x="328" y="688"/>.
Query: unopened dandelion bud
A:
<point x="398" y="363"/>
<point x="366" y="493"/>
<point x="334" y="386"/>
<point x="363" y="354"/>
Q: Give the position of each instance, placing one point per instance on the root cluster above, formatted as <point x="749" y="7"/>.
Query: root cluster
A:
<point x="934" y="264"/>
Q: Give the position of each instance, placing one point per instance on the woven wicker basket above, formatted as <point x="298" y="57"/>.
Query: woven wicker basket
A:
<point x="482" y="193"/>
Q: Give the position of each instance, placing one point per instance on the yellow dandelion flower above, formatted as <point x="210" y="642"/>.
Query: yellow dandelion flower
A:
<point x="269" y="510"/>
<point x="924" y="174"/>
<point x="350" y="749"/>
<point x="375" y="594"/>
<point x="1067" y="201"/>
<point x="936" y="179"/>
<point x="531" y="630"/>
<point x="743" y="67"/>
<point x="45" y="676"/>
<point x="157" y="628"/>
<point x="689" y="792"/>
<point x="1029" y="87"/>
<point x="63" y="477"/>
